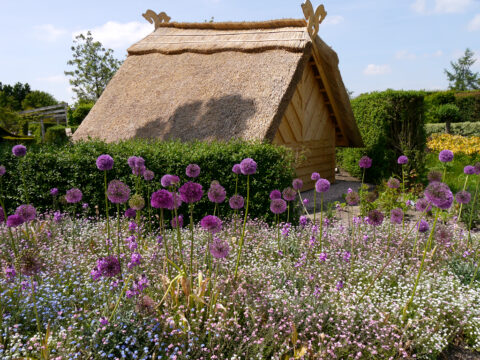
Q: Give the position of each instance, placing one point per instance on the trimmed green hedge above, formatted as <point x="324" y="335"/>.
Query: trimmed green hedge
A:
<point x="464" y="128"/>
<point x="56" y="135"/>
<point x="391" y="124"/>
<point x="467" y="102"/>
<point x="73" y="165"/>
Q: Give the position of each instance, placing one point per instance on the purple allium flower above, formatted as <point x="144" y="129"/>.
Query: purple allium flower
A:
<point x="297" y="184"/>
<point x="54" y="191"/>
<point x="289" y="194"/>
<point x="237" y="169"/>
<point x="57" y="216"/>
<point x="322" y="185"/>
<point x="148" y="175"/>
<point x="248" y="166"/>
<point x="2" y="170"/>
<point x="169" y="180"/>
<point x="443" y="235"/>
<point x="439" y="194"/>
<point x="130" y="213"/>
<point x="19" y="150"/>
<point x="118" y="192"/>
<point x="402" y="160"/>
<point x="191" y="192"/>
<point x="14" y="221"/>
<point x="211" y="223"/>
<point x="275" y="194"/>
<point x="173" y="222"/>
<point x="26" y="212"/>
<point x="469" y="170"/>
<point x="322" y="257"/>
<point x="423" y="226"/>
<point x="393" y="183"/>
<point x="135" y="259"/>
<point x="423" y="205"/>
<point x="192" y="170"/>
<point x="137" y="202"/>
<point x="352" y="198"/>
<point x="139" y="170"/>
<point x="303" y="221"/>
<point x="396" y="216"/>
<point x="445" y="156"/>
<point x="278" y="206"/>
<point x="219" y="248"/>
<point x="365" y="162"/>
<point x="463" y="197"/>
<point x="105" y="162"/>
<point x="109" y="266"/>
<point x="375" y="217"/>
<point x="103" y="321"/>
<point x="162" y="199"/>
<point x="434" y="176"/>
<point x="216" y="193"/>
<point x="73" y="196"/>
<point x="346" y="256"/>
<point x="236" y="202"/>
<point x="315" y="176"/>
<point x="177" y="201"/>
<point x="29" y="263"/>
<point x="10" y="272"/>
<point x="477" y="168"/>
<point x="2" y="215"/>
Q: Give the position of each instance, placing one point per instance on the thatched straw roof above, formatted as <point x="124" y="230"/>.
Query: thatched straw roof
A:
<point x="211" y="81"/>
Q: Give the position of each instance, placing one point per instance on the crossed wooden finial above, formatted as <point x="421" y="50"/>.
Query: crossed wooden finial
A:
<point x="157" y="19"/>
<point x="314" y="18"/>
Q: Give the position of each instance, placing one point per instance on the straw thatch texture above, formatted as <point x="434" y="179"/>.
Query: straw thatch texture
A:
<point x="246" y="25"/>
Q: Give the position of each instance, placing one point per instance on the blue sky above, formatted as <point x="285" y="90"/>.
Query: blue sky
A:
<point x="398" y="44"/>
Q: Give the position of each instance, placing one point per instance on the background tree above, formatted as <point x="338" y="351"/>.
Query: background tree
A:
<point x="11" y="97"/>
<point x="93" y="65"/>
<point x="462" y="78"/>
<point x="37" y="99"/>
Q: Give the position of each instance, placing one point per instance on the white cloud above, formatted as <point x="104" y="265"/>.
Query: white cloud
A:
<point x="373" y="69"/>
<point x="54" y="79"/>
<point x="474" y="24"/>
<point x="333" y="20"/>
<point x="48" y="32"/>
<point x="405" y="55"/>
<point x="419" y="6"/>
<point x="440" y="6"/>
<point x="437" y="53"/>
<point x="117" y="35"/>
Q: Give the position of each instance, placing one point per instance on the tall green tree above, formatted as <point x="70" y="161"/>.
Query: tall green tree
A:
<point x="37" y="99"/>
<point x="462" y="78"/>
<point x="12" y="96"/>
<point x="93" y="65"/>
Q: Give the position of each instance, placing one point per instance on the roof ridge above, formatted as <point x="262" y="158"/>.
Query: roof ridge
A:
<point x="232" y="25"/>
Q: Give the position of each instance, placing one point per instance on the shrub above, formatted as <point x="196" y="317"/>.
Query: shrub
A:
<point x="80" y="112"/>
<point x="391" y="124"/>
<point x="73" y="165"/>
<point x="56" y="135"/>
<point x="468" y="103"/>
<point x="462" y="128"/>
<point x="446" y="113"/>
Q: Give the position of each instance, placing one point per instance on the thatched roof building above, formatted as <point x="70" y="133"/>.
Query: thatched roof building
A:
<point x="258" y="80"/>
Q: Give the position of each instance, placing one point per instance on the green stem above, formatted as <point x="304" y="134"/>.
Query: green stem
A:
<point x="24" y="182"/>
<point x="118" y="232"/>
<point x="288" y="211"/>
<point x="149" y="210"/>
<point x="314" y="206"/>
<point x="321" y="220"/>
<point x="191" y="244"/>
<point x="35" y="307"/>
<point x="120" y="298"/>
<point x="461" y="205"/>
<point x="278" y="231"/>
<point x="179" y="238"/>
<point x="301" y="201"/>
<point x="243" y="230"/>
<point x="164" y="239"/>
<point x="106" y="206"/>
<point x="471" y="212"/>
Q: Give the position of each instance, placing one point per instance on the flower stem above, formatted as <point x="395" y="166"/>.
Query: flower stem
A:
<point x="461" y="205"/>
<point x="118" y="232"/>
<point x="321" y="220"/>
<point x="35" y="306"/>
<point x="191" y="244"/>
<point x="164" y="239"/>
<point x="106" y="205"/>
<point x="243" y="230"/>
<point x="314" y="206"/>
<point x="22" y="171"/>
<point x="471" y="212"/>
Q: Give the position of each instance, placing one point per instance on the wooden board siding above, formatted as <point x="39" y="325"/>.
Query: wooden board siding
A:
<point x="307" y="128"/>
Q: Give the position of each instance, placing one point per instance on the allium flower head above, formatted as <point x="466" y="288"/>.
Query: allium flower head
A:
<point x="169" y="180"/>
<point x="297" y="184"/>
<point x="423" y="226"/>
<point x="177" y="201"/>
<point x="73" y="196"/>
<point x="162" y="199"/>
<point x="211" y="223"/>
<point x="191" y="192"/>
<point x="216" y="193"/>
<point x="26" y="212"/>
<point x="469" y="170"/>
<point x="109" y="266"/>
<point x="118" y="192"/>
<point x="393" y="183"/>
<point x="105" y="162"/>
<point x="322" y="185"/>
<point x="375" y="217"/>
<point x="365" y="162"/>
<point x="136" y="202"/>
<point x="130" y="213"/>
<point x="352" y="198"/>
<point x="275" y="194"/>
<point x="19" y="150"/>
<point x="423" y="205"/>
<point x="278" y="206"/>
<point x="54" y="191"/>
<point x="439" y="194"/>
<point x="396" y="216"/>
<point x="402" y="160"/>
<point x="192" y="170"/>
<point x="463" y="197"/>
<point x="445" y="156"/>
<point x="2" y="170"/>
<point x="29" y="263"/>
<point x="237" y="169"/>
<point x="434" y="176"/>
<point x="477" y="168"/>
<point x="148" y="175"/>
<point x="173" y="222"/>
<point x="248" y="166"/>
<point x="219" y="248"/>
<point x="236" y="202"/>
<point x="370" y="197"/>
<point x="315" y="176"/>
<point x="443" y="235"/>
<point x="289" y="194"/>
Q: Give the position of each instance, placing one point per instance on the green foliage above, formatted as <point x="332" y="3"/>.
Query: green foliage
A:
<point x="94" y="66"/>
<point x="37" y="99"/>
<point x="391" y="124"/>
<point x="56" y="135"/>
<point x="80" y="112"/>
<point x="462" y="77"/>
<point x="9" y="120"/>
<point x="469" y="104"/>
<point x="12" y="96"/>
<point x="73" y="165"/>
<point x="462" y="128"/>
<point x="446" y="113"/>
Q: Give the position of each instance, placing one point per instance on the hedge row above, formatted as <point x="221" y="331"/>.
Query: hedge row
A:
<point x="464" y="128"/>
<point x="73" y="165"/>
<point x="462" y="106"/>
<point x="391" y="124"/>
